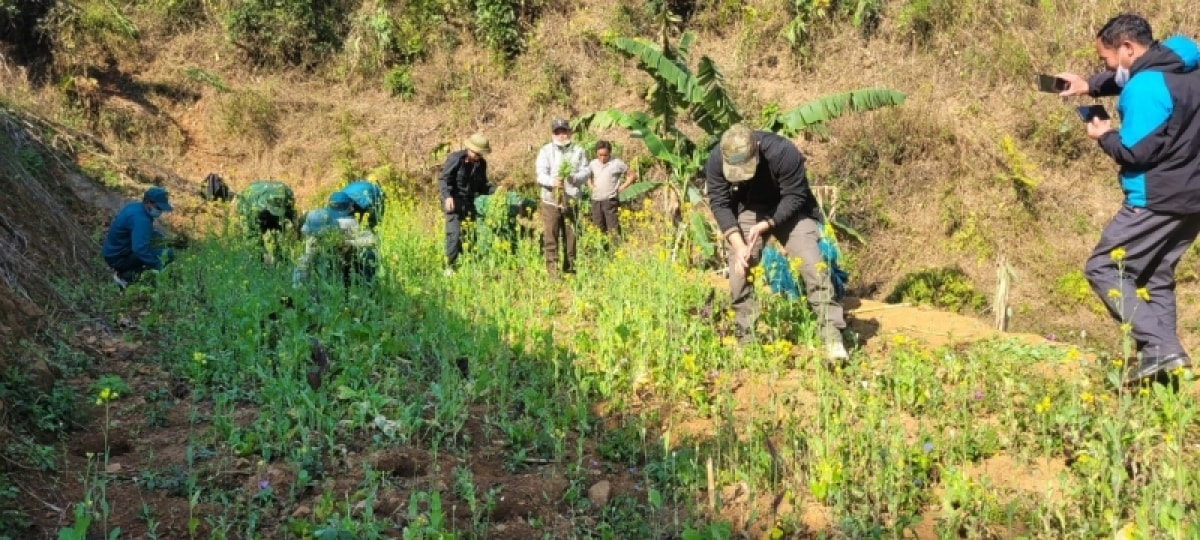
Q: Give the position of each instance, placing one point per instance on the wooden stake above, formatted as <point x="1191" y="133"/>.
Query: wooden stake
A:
<point x="712" y="488"/>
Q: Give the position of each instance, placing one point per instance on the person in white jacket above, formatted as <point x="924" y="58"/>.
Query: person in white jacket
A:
<point x="562" y="168"/>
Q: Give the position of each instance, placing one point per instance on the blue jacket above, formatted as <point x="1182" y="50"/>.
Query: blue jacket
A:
<point x="1158" y="145"/>
<point x="130" y="234"/>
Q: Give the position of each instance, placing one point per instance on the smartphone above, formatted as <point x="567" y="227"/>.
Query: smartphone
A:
<point x="1052" y="84"/>
<point x="1088" y="112"/>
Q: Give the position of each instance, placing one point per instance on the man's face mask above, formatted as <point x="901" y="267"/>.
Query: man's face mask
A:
<point x="1122" y="74"/>
<point x="155" y="213"/>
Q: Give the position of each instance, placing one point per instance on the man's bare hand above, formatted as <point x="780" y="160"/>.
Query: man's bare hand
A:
<point x="1098" y="127"/>
<point x="1076" y="85"/>
<point x="448" y="204"/>
<point x="756" y="232"/>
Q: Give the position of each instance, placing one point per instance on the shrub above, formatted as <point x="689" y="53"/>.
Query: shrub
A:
<point x="399" y="83"/>
<point x="292" y="32"/>
<point x="948" y="288"/>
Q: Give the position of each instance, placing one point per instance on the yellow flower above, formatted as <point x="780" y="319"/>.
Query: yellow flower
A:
<point x="106" y="395"/>
<point x="1043" y="405"/>
<point x="1114" y="293"/>
<point x="1087" y="397"/>
<point x="1143" y="294"/>
<point x="1126" y="328"/>
<point x="689" y="362"/>
<point x="1071" y="355"/>
<point x="1117" y="254"/>
<point x="200" y="358"/>
<point x="1168" y="439"/>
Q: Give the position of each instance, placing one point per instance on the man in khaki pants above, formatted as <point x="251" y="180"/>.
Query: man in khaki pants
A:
<point x="561" y="169"/>
<point x="757" y="188"/>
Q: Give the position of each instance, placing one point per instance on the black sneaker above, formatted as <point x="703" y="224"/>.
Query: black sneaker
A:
<point x="1151" y="366"/>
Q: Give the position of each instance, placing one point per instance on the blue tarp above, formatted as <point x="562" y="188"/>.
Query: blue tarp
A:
<point x="781" y="280"/>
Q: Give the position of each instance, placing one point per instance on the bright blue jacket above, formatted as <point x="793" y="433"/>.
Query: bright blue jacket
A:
<point x="1158" y="145"/>
<point x="130" y="234"/>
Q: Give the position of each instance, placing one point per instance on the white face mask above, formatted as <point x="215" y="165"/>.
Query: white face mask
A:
<point x="1122" y="75"/>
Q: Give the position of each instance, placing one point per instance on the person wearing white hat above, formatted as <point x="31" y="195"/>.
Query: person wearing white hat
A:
<point x="463" y="177"/>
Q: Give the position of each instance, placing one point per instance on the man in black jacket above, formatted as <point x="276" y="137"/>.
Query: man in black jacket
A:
<point x="757" y="188"/>
<point x="463" y="177"/>
<point x="1158" y="151"/>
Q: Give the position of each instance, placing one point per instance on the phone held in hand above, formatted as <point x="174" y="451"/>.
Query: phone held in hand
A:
<point x="1088" y="112"/>
<point x="1052" y="84"/>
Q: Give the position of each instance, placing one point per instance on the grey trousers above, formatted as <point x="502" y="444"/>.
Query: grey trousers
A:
<point x="1153" y="244"/>
<point x="799" y="239"/>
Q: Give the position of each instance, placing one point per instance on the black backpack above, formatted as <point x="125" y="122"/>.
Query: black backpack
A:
<point x="215" y="188"/>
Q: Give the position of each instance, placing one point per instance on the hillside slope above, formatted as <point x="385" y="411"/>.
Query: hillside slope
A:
<point x="974" y="167"/>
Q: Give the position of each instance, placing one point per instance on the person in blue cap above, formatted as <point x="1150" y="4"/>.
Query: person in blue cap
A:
<point x="334" y="231"/>
<point x="130" y="245"/>
<point x="368" y="200"/>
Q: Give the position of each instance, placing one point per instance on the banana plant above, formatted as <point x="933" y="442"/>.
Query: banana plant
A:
<point x="701" y="97"/>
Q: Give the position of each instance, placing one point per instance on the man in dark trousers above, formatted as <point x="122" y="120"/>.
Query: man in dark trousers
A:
<point x="129" y="247"/>
<point x="757" y="188"/>
<point x="1158" y="152"/>
<point x="463" y="177"/>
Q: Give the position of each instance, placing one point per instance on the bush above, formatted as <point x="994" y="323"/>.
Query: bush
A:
<point x="399" y="83"/>
<point x="294" y="32"/>
<point x="947" y="288"/>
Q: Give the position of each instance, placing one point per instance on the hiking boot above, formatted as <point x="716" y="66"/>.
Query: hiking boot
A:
<point x="121" y="282"/>
<point x="1151" y="366"/>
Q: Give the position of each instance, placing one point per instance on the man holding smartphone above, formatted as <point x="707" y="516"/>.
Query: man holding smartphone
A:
<point x="1132" y="269"/>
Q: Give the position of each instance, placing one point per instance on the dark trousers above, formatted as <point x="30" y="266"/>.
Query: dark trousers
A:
<point x="1153" y="244"/>
<point x="454" y="230"/>
<point x="799" y="239"/>
<point x="130" y="267"/>
<point x="558" y="222"/>
<point x="604" y="216"/>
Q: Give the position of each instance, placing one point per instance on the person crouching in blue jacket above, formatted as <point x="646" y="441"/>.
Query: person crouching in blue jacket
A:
<point x="129" y="247"/>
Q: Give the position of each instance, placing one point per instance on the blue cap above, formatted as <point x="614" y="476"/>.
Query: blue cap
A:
<point x="341" y="202"/>
<point x="158" y="196"/>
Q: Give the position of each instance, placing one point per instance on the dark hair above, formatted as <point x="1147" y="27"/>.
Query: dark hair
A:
<point x="1125" y="27"/>
<point x="603" y="145"/>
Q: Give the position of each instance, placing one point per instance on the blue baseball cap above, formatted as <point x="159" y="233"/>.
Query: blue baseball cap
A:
<point x="341" y="202"/>
<point x="158" y="196"/>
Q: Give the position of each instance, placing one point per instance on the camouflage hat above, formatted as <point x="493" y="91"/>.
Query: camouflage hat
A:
<point x="739" y="153"/>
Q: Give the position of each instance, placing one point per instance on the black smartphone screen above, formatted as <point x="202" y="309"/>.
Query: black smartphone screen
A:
<point x="1088" y="112"/>
<point x="1052" y="84"/>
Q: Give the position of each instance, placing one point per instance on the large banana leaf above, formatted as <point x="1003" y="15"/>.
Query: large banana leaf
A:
<point x="814" y="114"/>
<point x="661" y="67"/>
<point x="701" y="234"/>
<point x="716" y="112"/>
<point x="638" y="189"/>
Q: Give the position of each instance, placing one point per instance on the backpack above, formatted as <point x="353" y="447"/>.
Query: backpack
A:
<point x="214" y="188"/>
